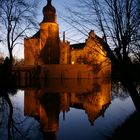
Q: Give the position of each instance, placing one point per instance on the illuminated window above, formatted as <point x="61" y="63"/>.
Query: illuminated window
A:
<point x="72" y="62"/>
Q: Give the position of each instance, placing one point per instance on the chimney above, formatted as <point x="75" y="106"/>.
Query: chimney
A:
<point x="64" y="36"/>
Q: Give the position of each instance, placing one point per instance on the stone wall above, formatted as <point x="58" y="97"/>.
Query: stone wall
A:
<point x="74" y="71"/>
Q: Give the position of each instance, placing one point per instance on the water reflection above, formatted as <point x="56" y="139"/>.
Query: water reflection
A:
<point x="6" y="110"/>
<point x="45" y="104"/>
<point x="39" y="112"/>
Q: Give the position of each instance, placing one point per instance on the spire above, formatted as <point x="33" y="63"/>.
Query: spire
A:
<point x="49" y="12"/>
<point x="49" y="1"/>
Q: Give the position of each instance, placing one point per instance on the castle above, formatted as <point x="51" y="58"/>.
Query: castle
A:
<point x="45" y="48"/>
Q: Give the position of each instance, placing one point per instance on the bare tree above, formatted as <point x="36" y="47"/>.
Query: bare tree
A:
<point x="16" y="18"/>
<point x="117" y="20"/>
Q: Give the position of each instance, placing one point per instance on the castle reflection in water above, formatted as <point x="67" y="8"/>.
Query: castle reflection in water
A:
<point x="50" y="98"/>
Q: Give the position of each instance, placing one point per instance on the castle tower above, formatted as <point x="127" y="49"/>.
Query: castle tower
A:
<point x="43" y="47"/>
<point x="49" y="34"/>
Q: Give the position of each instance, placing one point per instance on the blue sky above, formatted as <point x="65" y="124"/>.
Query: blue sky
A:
<point x="60" y="5"/>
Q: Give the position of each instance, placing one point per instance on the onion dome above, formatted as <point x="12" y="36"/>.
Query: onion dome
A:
<point x="49" y="12"/>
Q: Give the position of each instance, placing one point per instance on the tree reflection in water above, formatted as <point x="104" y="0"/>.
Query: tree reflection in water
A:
<point x="118" y="91"/>
<point x="12" y="125"/>
<point x="7" y="109"/>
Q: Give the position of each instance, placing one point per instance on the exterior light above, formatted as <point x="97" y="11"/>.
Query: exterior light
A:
<point x="72" y="62"/>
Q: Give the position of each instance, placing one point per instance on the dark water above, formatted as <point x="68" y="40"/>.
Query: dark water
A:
<point x="65" y="110"/>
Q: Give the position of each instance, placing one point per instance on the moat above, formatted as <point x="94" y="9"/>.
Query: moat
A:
<point x="84" y="109"/>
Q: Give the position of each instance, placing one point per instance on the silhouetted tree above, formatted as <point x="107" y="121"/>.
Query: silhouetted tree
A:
<point x="16" y="18"/>
<point x="119" y="22"/>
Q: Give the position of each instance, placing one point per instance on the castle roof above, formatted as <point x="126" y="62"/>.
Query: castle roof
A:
<point x="78" y="46"/>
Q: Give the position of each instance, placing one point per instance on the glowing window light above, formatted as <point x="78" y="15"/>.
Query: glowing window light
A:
<point x="72" y="62"/>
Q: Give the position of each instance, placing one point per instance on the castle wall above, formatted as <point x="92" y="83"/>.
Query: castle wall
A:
<point x="44" y="49"/>
<point x="74" y="71"/>
<point x="75" y="54"/>
<point x="31" y="51"/>
<point x="50" y="50"/>
<point x="92" y="53"/>
<point x="65" y="53"/>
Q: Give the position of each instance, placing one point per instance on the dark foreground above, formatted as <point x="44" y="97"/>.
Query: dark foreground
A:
<point x="129" y="129"/>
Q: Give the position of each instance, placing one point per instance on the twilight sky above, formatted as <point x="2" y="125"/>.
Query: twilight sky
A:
<point x="71" y="33"/>
<point x="60" y="5"/>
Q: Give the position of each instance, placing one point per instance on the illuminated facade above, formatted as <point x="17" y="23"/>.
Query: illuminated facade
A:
<point x="90" y="52"/>
<point x="45" y="47"/>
